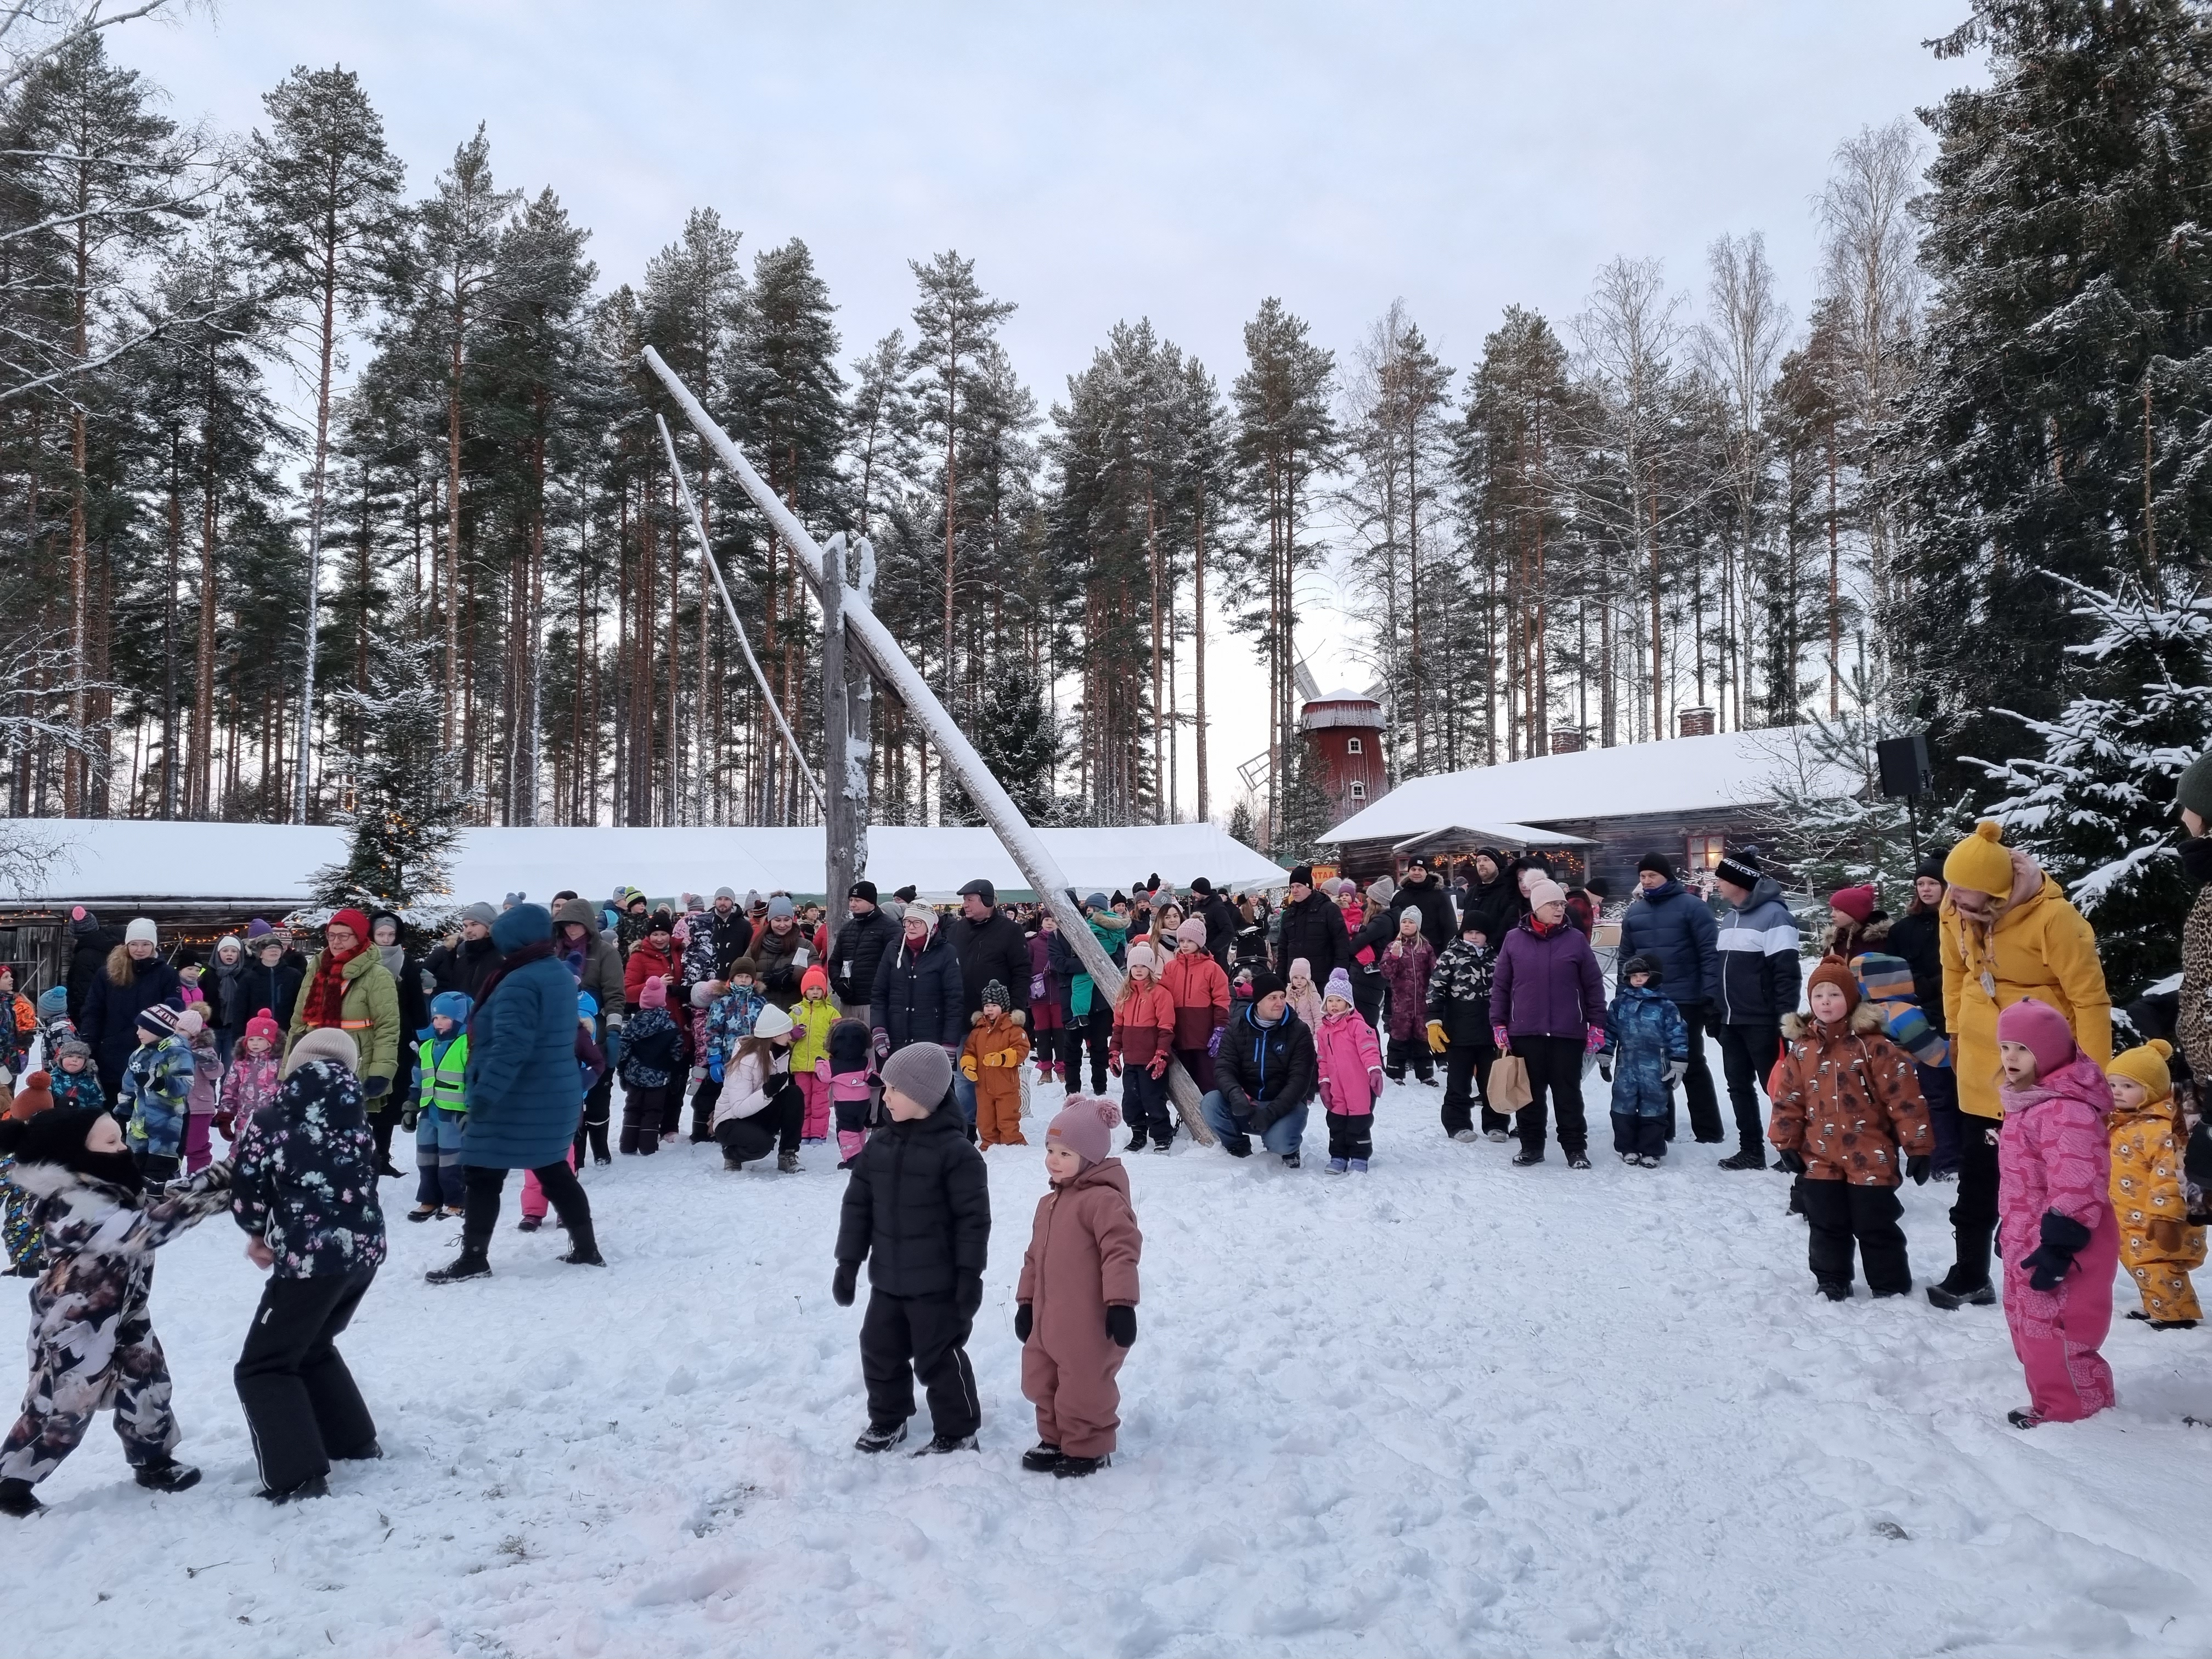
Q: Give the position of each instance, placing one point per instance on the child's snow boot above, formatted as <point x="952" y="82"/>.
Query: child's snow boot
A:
<point x="1040" y="1458"/>
<point x="530" y="1224"/>
<point x="1290" y="1160"/>
<point x="473" y="1262"/>
<point x="1359" y="1166"/>
<point x="17" y="1499"/>
<point x="1337" y="1166"/>
<point x="1070" y="1469"/>
<point x="1578" y="1160"/>
<point x="2022" y="1419"/>
<point x="940" y="1443"/>
<point x="880" y="1437"/>
<point x="1136" y="1142"/>
<point x="314" y="1486"/>
<point x="168" y="1475"/>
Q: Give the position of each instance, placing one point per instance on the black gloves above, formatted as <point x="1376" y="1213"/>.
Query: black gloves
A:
<point x="1793" y="1162"/>
<point x="408" y="1118"/>
<point x="1022" y="1322"/>
<point x="848" y="1275"/>
<point x="1918" y="1167"/>
<point x="1122" y="1324"/>
<point x="968" y="1294"/>
<point x="2052" y="1260"/>
<point x="373" y="1086"/>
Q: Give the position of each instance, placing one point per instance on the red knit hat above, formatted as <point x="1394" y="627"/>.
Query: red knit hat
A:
<point x="816" y="978"/>
<point x="353" y="919"/>
<point x="2041" y="1029"/>
<point x="263" y="1025"/>
<point x="1857" y="902"/>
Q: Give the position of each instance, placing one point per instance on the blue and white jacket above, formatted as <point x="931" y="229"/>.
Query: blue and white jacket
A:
<point x="1754" y="975"/>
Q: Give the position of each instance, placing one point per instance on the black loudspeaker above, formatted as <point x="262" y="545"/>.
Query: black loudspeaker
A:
<point x="1904" y="769"/>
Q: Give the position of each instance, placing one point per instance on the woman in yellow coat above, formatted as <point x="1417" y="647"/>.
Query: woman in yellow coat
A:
<point x="2158" y="1247"/>
<point x="2006" y="932"/>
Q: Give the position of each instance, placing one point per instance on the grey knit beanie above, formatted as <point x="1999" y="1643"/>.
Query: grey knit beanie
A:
<point x="922" y="1072"/>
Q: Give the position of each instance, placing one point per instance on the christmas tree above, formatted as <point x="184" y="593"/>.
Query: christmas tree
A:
<point x="2096" y="808"/>
<point x="407" y="804"/>
<point x="1017" y="737"/>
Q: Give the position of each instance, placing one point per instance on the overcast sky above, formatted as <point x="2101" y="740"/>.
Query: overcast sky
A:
<point x="1100" y="163"/>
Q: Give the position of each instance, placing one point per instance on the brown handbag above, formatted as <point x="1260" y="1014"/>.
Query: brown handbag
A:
<point x="1509" y="1089"/>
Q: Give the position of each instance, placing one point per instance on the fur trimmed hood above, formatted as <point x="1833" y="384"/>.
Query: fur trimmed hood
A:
<point x="1014" y="1014"/>
<point x="1865" y="1020"/>
<point x="51" y="1180"/>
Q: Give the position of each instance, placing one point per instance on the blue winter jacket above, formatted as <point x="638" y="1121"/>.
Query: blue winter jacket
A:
<point x="524" y="1092"/>
<point x="1754" y="978"/>
<point x="1643" y="1030"/>
<point x="1675" y="929"/>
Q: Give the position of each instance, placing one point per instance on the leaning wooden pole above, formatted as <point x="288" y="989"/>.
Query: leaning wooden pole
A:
<point x="868" y="637"/>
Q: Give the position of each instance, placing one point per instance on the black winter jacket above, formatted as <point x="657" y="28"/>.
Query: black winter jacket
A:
<point x="1675" y="927"/>
<point x="916" y="997"/>
<point x="1222" y="925"/>
<point x="1439" y="925"/>
<point x="88" y="956"/>
<point x="1459" y="993"/>
<point x="917" y="1207"/>
<point x="1266" y="1073"/>
<point x="1498" y="907"/>
<point x="1312" y="929"/>
<point x="464" y="965"/>
<point x="733" y="937"/>
<point x="109" y="1024"/>
<point x="276" y="989"/>
<point x="857" y="952"/>
<point x="1916" y="937"/>
<point x="993" y="948"/>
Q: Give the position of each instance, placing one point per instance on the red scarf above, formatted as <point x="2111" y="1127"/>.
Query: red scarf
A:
<point x="327" y="991"/>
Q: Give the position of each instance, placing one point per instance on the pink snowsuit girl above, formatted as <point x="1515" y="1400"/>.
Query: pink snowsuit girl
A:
<point x="1349" y="1062"/>
<point x="2054" y="1183"/>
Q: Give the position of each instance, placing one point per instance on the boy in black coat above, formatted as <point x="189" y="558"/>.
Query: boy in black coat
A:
<point x="918" y="1211"/>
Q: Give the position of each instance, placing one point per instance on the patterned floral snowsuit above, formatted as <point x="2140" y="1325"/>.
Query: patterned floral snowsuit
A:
<point x="2158" y="1247"/>
<point x="93" y="1346"/>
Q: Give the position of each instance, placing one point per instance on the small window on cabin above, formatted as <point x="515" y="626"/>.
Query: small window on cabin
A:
<point x="1358" y="790"/>
<point x="1354" y="746"/>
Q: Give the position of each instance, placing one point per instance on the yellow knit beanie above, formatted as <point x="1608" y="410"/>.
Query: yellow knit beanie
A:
<point x="1981" y="862"/>
<point x="2146" y="1066"/>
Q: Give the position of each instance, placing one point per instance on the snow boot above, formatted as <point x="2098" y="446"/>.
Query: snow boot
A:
<point x="1290" y="1160"/>
<point x="313" y="1487"/>
<point x="1833" y="1290"/>
<point x="940" y="1443"/>
<point x="1071" y="1469"/>
<point x="473" y="1262"/>
<point x="1522" y="1159"/>
<point x="1237" y="1146"/>
<point x="880" y="1437"/>
<point x="1496" y="1134"/>
<point x="1749" y="1158"/>
<point x="1359" y="1166"/>
<point x="628" y="1144"/>
<point x="168" y="1475"/>
<point x="530" y="1224"/>
<point x="17" y="1499"/>
<point x="1978" y="1296"/>
<point x="1578" y="1160"/>
<point x="367" y="1452"/>
<point x="1163" y="1143"/>
<point x="787" y="1163"/>
<point x="2022" y="1419"/>
<point x="1650" y="1160"/>
<point x="583" y="1249"/>
<point x="1465" y="1136"/>
<point x="1337" y="1166"/>
<point x="1040" y="1458"/>
<point x="1136" y="1142"/>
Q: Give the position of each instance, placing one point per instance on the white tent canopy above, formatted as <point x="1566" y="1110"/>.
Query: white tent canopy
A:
<point x="131" y="858"/>
<point x="1681" y="775"/>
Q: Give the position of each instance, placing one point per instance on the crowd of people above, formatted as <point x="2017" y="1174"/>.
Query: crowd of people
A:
<point x="1967" y="1041"/>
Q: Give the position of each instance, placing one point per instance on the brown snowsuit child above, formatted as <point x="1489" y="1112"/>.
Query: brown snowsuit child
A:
<point x="1077" y="1295"/>
<point x="992" y="1060"/>
<point x="2158" y="1247"/>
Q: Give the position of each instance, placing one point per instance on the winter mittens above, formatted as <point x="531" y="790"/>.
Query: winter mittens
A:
<point x="1022" y="1318"/>
<point x="842" y="1287"/>
<point x="1120" y="1323"/>
<point x="2051" y="1261"/>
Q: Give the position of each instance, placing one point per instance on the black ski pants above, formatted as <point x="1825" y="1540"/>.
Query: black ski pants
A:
<point x="1097" y="1029"/>
<point x="1974" y="1212"/>
<point x="301" y="1403"/>
<point x="906" y="1337"/>
<point x="1698" y="1081"/>
<point x="1837" y="1212"/>
<point x="480" y="1214"/>
<point x="1747" y="1057"/>
<point x="1555" y="1073"/>
<point x="1350" y="1136"/>
<point x="1467" y="1078"/>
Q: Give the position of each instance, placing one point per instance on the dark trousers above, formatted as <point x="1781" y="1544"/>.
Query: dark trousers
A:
<point x="1555" y="1070"/>
<point x="906" y="1337"/>
<point x="301" y="1403"/>
<point x="1409" y="1051"/>
<point x="702" y="1107"/>
<point x="381" y="1123"/>
<point x="599" y="1111"/>
<point x="642" y="1110"/>
<point x="1939" y="1087"/>
<point x="1635" y="1136"/>
<point x="1747" y="1057"/>
<point x="480" y="1218"/>
<point x="1467" y="1079"/>
<point x="1368" y="991"/>
<point x="1836" y="1212"/>
<point x="1097" y="1029"/>
<point x="1351" y="1137"/>
<point x="1200" y="1064"/>
<point x="1145" y="1105"/>
<point x="1698" y="1081"/>
<point x="1974" y="1213"/>
<point x="774" y="1128"/>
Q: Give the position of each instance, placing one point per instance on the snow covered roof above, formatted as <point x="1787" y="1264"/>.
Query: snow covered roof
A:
<point x="1343" y="694"/>
<point x="1680" y="774"/>
<point x="128" y="858"/>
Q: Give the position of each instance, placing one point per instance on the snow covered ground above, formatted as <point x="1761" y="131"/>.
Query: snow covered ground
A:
<point x="1453" y="1407"/>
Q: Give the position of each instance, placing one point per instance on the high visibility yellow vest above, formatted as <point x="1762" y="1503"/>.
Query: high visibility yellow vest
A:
<point x="441" y="1077"/>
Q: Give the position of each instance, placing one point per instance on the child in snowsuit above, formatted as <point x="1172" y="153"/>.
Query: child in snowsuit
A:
<point x="1143" y="1034"/>
<point x="76" y="1079"/>
<point x="652" y="1060"/>
<point x="1199" y="990"/>
<point x="157" y="1086"/>
<point x="730" y="1016"/>
<point x="813" y="1014"/>
<point x="1459" y="1029"/>
<point x="1349" y="1062"/>
<point x="441" y="1065"/>
<point x="251" y="1082"/>
<point x="705" y="1090"/>
<point x="19" y="1226"/>
<point x="2056" y="1228"/>
<point x="1303" y="996"/>
<point x="200" y="1103"/>
<point x="992" y="1060"/>
<point x="92" y="1346"/>
<point x="917" y="1210"/>
<point x="851" y="1063"/>
<point x="1647" y="1049"/>
<point x="1048" y="1007"/>
<point x="1407" y="962"/>
<point x="1076" y="1304"/>
<point x="51" y="1010"/>
<point x="2158" y="1247"/>
<point x="1847" y="1110"/>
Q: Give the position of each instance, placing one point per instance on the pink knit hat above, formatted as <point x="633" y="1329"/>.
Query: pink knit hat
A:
<point x="1140" y="956"/>
<point x="655" y="994"/>
<point x="1192" y="932"/>
<point x="1085" y="1126"/>
<point x="1542" y="893"/>
<point x="2041" y="1029"/>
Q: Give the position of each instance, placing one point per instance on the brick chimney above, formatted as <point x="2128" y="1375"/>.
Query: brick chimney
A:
<point x="1568" y="743"/>
<point x="1697" y="722"/>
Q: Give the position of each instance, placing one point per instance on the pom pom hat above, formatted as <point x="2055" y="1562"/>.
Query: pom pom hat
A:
<point x="1980" y="861"/>
<point x="1085" y="1126"/>
<point x="2147" y="1067"/>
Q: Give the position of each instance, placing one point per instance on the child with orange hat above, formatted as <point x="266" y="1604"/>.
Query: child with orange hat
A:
<point x="812" y="1016"/>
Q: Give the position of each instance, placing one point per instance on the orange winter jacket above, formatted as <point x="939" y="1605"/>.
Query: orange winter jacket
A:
<point x="1199" y="990"/>
<point x="1848" y="1101"/>
<point x="993" y="1055"/>
<point x="1144" y="1023"/>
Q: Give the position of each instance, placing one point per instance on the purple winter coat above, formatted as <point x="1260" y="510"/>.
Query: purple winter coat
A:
<point x="1548" y="986"/>
<point x="1407" y="973"/>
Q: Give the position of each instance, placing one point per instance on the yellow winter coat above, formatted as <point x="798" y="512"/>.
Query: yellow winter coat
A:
<point x="813" y="1020"/>
<point x="2146" y="1188"/>
<point x="2039" y="947"/>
